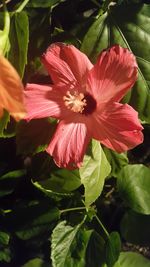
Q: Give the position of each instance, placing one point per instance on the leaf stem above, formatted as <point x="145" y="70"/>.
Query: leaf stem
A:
<point x="73" y="209"/>
<point x="21" y="7"/>
<point x="102" y="226"/>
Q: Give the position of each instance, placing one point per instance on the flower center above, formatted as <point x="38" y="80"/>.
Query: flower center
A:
<point x="79" y="103"/>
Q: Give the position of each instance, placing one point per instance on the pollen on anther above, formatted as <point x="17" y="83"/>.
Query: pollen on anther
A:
<point x="75" y="101"/>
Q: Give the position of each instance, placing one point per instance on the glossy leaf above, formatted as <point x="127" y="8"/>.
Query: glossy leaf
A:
<point x="19" y="37"/>
<point x="95" y="253"/>
<point x="69" y="245"/>
<point x="113" y="247"/>
<point x="135" y="228"/>
<point x="134" y="187"/>
<point x="93" y="172"/>
<point x="133" y="259"/>
<point x="51" y="178"/>
<point x="116" y="160"/>
<point x="62" y="180"/>
<point x="126" y="25"/>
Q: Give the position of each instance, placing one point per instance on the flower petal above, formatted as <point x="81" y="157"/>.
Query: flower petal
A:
<point x="66" y="64"/>
<point x="113" y="75"/>
<point x="77" y="61"/>
<point x="117" y="127"/>
<point x="11" y="90"/>
<point x="43" y="101"/>
<point x="68" y="144"/>
<point x="57" y="68"/>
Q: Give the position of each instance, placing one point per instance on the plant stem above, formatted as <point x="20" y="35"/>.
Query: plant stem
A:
<point x="73" y="209"/>
<point x="102" y="226"/>
<point x="21" y="7"/>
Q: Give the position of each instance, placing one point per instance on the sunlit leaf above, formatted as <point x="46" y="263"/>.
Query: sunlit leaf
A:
<point x="4" y="41"/>
<point x="133" y="259"/>
<point x="134" y="187"/>
<point x="69" y="245"/>
<point x="93" y="172"/>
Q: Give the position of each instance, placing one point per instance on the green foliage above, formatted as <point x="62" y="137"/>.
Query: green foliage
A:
<point x="113" y="248"/>
<point x="132" y="259"/>
<point x="37" y="262"/>
<point x="32" y="219"/>
<point x="3" y="123"/>
<point x="116" y="160"/>
<point x="51" y="216"/>
<point x="134" y="187"/>
<point x="95" y="255"/>
<point x="5" y="255"/>
<point x="69" y="245"/>
<point x="43" y="3"/>
<point x="62" y="181"/>
<point x="8" y="181"/>
<point x="93" y="172"/>
<point x="133" y="223"/>
<point x="19" y="38"/>
<point x="4" y="40"/>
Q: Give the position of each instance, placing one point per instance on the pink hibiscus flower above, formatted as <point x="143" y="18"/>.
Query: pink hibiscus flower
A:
<point x="85" y="100"/>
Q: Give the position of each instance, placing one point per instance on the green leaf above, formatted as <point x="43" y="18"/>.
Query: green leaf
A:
<point x="95" y="253"/>
<point x="126" y="25"/>
<point x="133" y="223"/>
<point x="9" y="181"/>
<point x="4" y="41"/>
<point x="134" y="187"/>
<point x="113" y="247"/>
<point x="4" y="122"/>
<point x="116" y="160"/>
<point x="93" y="172"/>
<point x="7" y="126"/>
<point x="43" y="3"/>
<point x="69" y="245"/>
<point x="5" y="255"/>
<point x="37" y="262"/>
<point x="132" y="259"/>
<point x="32" y="219"/>
<point x="62" y="181"/>
<point x="19" y="37"/>
<point x="4" y="238"/>
<point x="51" y="178"/>
<point x="31" y="138"/>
